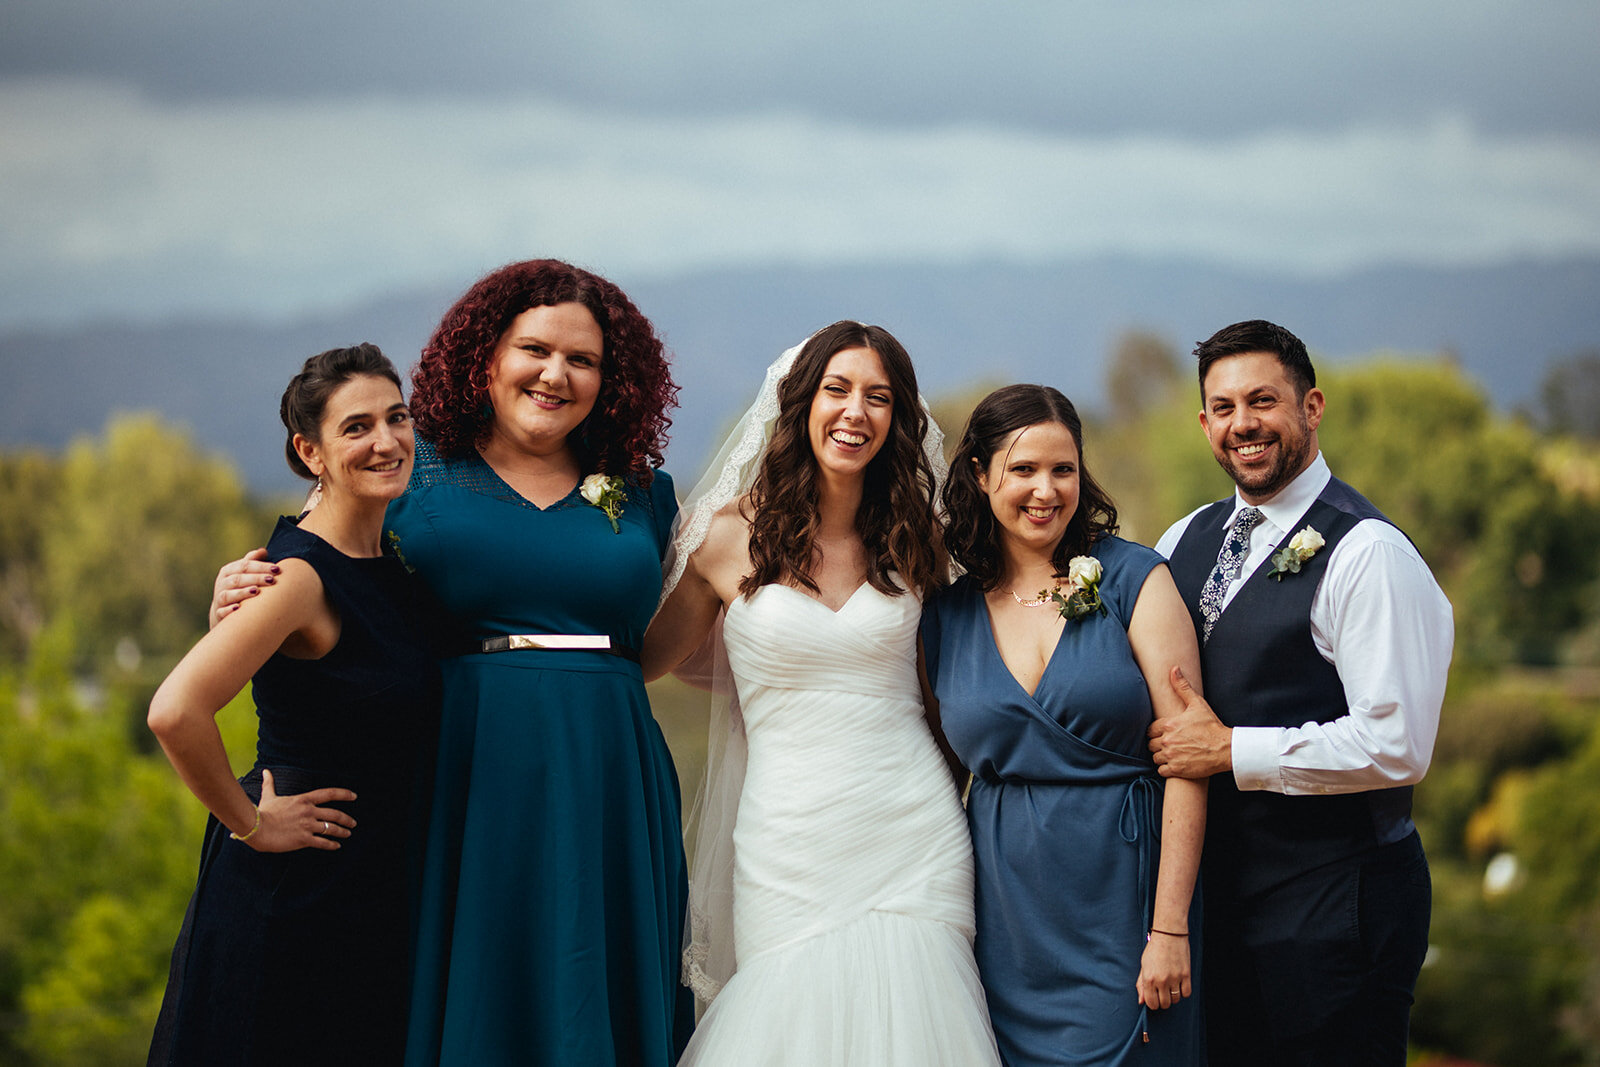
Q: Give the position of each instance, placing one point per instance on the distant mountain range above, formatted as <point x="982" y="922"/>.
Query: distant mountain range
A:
<point x="1053" y="322"/>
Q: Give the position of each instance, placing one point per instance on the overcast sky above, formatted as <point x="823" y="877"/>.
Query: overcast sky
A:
<point x="172" y="157"/>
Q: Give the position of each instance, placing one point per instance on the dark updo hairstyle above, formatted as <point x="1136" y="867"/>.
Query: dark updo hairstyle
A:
<point x="896" y="519"/>
<point x="307" y="396"/>
<point x="971" y="533"/>
<point x="626" y="430"/>
<point x="1258" y="335"/>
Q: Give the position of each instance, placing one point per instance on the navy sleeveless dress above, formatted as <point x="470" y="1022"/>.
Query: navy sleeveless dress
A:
<point x="1065" y="811"/>
<point x="302" y="957"/>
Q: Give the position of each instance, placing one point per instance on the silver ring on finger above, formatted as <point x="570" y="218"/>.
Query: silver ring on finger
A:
<point x="324" y="826"/>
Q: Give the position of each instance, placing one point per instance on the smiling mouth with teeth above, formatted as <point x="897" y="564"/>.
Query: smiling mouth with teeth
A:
<point x="846" y="438"/>
<point x="1040" y="513"/>
<point x="1254" y="448"/>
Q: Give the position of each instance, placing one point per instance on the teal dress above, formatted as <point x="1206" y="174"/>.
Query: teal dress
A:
<point x="553" y="885"/>
<point x="1065" y="814"/>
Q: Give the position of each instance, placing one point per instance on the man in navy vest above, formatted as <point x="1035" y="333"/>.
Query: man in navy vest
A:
<point x="1325" y="642"/>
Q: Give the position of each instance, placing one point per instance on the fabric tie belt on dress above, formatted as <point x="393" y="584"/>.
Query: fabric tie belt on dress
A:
<point x="1138" y="826"/>
<point x="552" y="643"/>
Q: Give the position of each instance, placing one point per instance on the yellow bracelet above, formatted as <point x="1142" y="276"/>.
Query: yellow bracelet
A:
<point x="253" y="829"/>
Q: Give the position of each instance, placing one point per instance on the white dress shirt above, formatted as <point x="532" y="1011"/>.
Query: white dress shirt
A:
<point x="1385" y="625"/>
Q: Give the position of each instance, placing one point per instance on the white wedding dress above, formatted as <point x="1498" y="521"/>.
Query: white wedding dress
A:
<point x="852" y="868"/>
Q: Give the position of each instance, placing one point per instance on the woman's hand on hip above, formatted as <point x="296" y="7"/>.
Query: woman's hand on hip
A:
<point x="300" y="820"/>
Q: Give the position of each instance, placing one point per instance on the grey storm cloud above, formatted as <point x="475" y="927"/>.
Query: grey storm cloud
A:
<point x="176" y="156"/>
<point x="1155" y="66"/>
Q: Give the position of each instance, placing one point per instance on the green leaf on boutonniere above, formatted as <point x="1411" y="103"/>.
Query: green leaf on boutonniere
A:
<point x="1080" y="596"/>
<point x="1301" y="547"/>
<point x="606" y="493"/>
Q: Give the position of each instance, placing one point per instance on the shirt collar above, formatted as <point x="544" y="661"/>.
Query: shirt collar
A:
<point x="1294" y="499"/>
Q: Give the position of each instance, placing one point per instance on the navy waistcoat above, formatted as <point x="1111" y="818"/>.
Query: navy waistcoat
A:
<point x="1262" y="668"/>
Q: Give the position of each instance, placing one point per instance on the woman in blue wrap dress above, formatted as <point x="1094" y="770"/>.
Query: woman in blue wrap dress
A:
<point x="1048" y="659"/>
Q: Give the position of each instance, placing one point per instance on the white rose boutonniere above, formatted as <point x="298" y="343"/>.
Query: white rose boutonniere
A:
<point x="1302" y="546"/>
<point x="1080" y="595"/>
<point x="604" y="492"/>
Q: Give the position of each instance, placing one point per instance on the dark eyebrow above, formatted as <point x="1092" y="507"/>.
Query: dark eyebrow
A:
<point x="363" y="416"/>
<point x="1260" y="390"/>
<point x="846" y="379"/>
<point x="529" y="338"/>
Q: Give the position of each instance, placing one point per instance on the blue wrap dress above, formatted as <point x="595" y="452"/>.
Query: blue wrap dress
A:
<point x="1065" y="811"/>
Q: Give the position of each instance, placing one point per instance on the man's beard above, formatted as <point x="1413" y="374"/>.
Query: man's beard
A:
<point x="1292" y="459"/>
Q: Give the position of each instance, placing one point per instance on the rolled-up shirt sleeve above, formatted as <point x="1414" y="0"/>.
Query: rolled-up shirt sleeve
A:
<point x="1381" y="619"/>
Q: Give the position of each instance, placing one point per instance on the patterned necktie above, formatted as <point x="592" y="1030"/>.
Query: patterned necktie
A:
<point x="1229" y="560"/>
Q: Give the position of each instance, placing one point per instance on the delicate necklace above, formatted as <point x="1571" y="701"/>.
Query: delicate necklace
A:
<point x="1048" y="595"/>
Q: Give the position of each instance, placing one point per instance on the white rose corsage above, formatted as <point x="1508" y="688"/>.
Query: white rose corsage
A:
<point x="1302" y="546"/>
<point x="604" y="492"/>
<point x="1079" y="596"/>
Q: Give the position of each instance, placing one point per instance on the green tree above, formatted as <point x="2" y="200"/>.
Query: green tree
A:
<point x="1511" y="545"/>
<point x="1149" y="452"/>
<point x="98" y="845"/>
<point x="952" y="410"/>
<point x="1569" y="396"/>
<point x="1156" y="466"/>
<point x="28" y="489"/>
<point x="1143" y="375"/>
<point x="1552" y="914"/>
<point x="1418" y="439"/>
<point x="95" y="1005"/>
<point x="141" y="523"/>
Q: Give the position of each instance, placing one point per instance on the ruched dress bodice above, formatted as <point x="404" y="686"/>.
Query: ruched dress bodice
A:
<point x="852" y="867"/>
<point x="841" y="767"/>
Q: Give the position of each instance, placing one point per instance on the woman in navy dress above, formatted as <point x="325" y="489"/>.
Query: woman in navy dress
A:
<point x="1048" y="660"/>
<point x="554" y="886"/>
<point x="294" y="949"/>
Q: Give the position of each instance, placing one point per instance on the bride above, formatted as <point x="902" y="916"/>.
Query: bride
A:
<point x="831" y="887"/>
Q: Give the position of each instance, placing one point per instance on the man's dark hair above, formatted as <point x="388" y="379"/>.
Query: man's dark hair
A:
<point x="1259" y="335"/>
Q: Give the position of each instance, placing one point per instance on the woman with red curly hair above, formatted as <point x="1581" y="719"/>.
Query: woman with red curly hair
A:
<point x="553" y="880"/>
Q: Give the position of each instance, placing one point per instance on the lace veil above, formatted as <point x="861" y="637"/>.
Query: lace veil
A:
<point x="708" y="954"/>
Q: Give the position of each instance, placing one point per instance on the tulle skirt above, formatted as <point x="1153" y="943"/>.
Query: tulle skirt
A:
<point x="884" y="990"/>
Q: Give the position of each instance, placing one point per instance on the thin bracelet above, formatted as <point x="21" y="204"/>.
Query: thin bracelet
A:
<point x="1169" y="933"/>
<point x="253" y="829"/>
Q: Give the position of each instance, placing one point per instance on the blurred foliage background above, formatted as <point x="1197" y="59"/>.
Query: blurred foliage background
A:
<point x="107" y="554"/>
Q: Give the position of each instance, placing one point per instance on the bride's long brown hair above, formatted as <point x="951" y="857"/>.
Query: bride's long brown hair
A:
<point x="896" y="520"/>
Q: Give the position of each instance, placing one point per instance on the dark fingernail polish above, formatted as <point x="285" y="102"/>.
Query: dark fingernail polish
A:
<point x="276" y="569"/>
